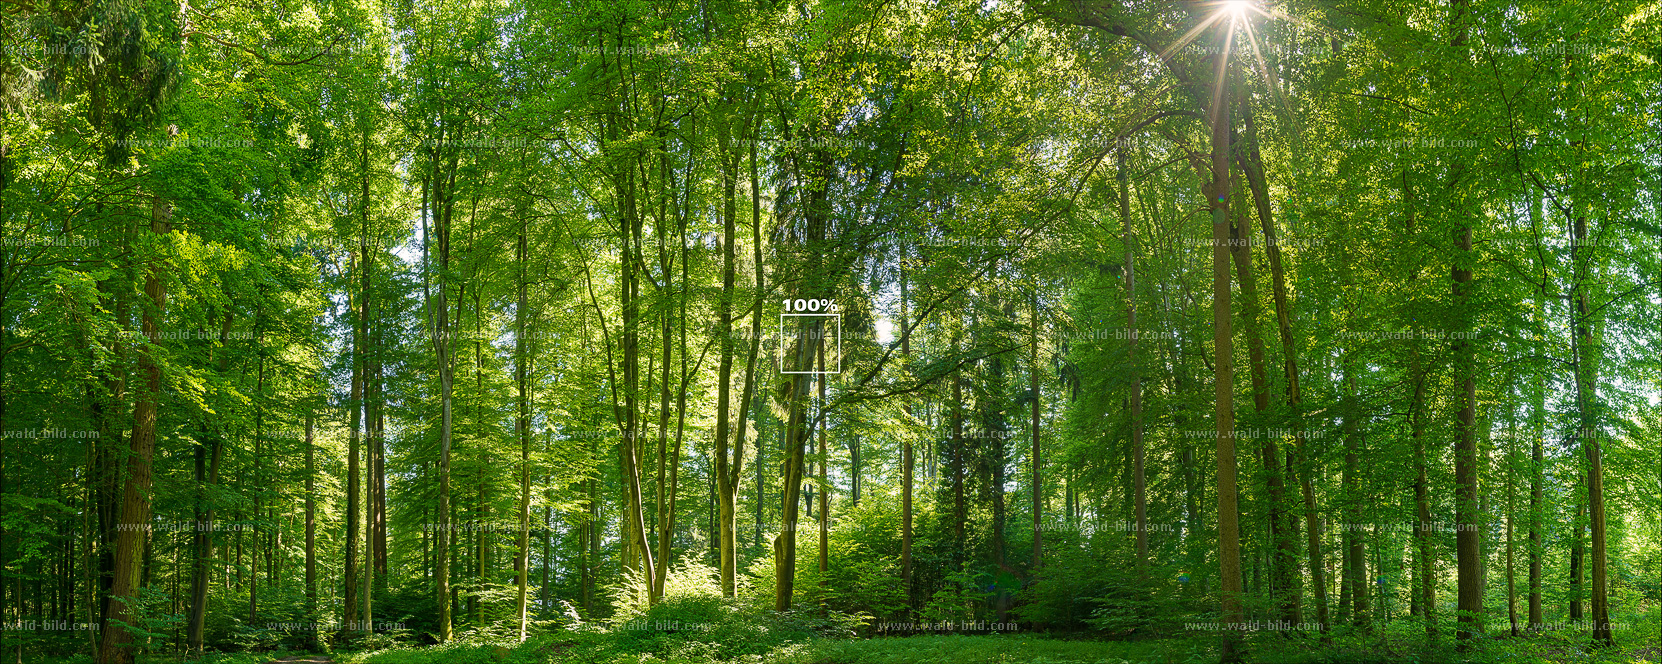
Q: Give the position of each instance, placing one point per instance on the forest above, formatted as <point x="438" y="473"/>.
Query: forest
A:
<point x="830" y="331"/>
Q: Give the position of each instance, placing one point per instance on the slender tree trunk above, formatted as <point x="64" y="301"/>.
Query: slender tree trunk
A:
<point x="1139" y="484"/>
<point x="958" y="514"/>
<point x="204" y="535"/>
<point x="1356" y="574"/>
<point x="259" y="480"/>
<point x="1577" y="554"/>
<point x="1511" y="511"/>
<point x="824" y="479"/>
<point x="784" y="548"/>
<point x="1036" y="459"/>
<point x="1536" y="469"/>
<point x="441" y="184"/>
<point x="522" y="426"/>
<point x="1229" y="546"/>
<point x="726" y="465"/>
<point x="1286" y="542"/>
<point x="1590" y="434"/>
<point x="908" y="460"/>
<point x="311" y="530"/>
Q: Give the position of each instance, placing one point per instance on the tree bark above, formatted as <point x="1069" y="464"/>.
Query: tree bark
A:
<point x="116" y="646"/>
<point x="1470" y="598"/>
<point x="726" y="467"/>
<point x="522" y="427"/>
<point x="1138" y="477"/>
<point x="1036" y="459"/>
<point x="1229" y="546"/>
<point x="1589" y="433"/>
<point x="1252" y="166"/>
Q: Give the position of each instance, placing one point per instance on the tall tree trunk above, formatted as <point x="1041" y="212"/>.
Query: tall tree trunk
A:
<point x="1467" y="516"/>
<point x="1537" y="468"/>
<point x="748" y="396"/>
<point x="522" y="427"/>
<point x="824" y="490"/>
<point x="725" y="465"/>
<point x="817" y="216"/>
<point x="311" y="529"/>
<point x="1466" y="507"/>
<point x="1356" y="574"/>
<point x="1511" y="512"/>
<point x="1038" y="484"/>
<point x="204" y="540"/>
<point x="667" y="536"/>
<point x="908" y="459"/>
<point x="259" y="479"/>
<point x="1229" y="546"/>
<point x="1286" y="541"/>
<point x="116" y="646"/>
<point x="629" y="418"/>
<point x="1139" y="483"/>
<point x="957" y="460"/>
<point x="441" y="185"/>
<point x="1589" y="433"/>
<point x="784" y="548"/>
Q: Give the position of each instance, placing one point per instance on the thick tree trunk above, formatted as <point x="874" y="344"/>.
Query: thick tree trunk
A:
<point x="116" y="646"/>
<point x="1467" y="516"/>
<point x="1469" y="599"/>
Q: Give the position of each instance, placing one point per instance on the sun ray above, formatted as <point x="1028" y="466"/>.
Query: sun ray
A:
<point x="1223" y="69"/>
<point x="1264" y="70"/>
<point x="1190" y="36"/>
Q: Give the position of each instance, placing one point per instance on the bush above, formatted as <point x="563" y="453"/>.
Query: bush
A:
<point x="1080" y="591"/>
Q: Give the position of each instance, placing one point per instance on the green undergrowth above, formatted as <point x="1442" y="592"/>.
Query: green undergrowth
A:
<point x="1392" y="649"/>
<point x="162" y="658"/>
<point x="1000" y="649"/>
<point x="610" y="648"/>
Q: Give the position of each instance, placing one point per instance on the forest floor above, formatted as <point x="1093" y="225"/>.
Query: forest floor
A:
<point x="1018" y="649"/>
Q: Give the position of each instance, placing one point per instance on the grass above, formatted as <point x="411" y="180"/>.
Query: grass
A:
<point x="603" y="648"/>
<point x="1000" y="649"/>
<point x="1396" y="649"/>
<point x="208" y="658"/>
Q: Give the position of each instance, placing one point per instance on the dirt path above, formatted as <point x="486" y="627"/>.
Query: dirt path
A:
<point x="303" y="659"/>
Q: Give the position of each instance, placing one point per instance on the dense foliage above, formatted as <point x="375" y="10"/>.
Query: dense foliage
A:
<point x="739" y="330"/>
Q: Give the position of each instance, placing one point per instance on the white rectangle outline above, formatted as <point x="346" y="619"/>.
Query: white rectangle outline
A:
<point x="781" y="354"/>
